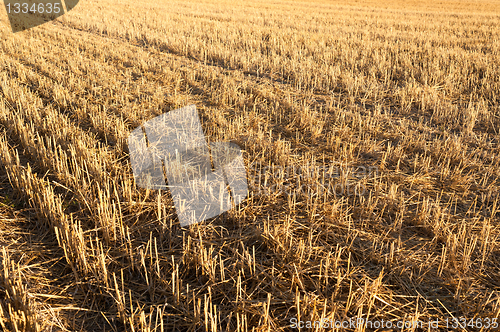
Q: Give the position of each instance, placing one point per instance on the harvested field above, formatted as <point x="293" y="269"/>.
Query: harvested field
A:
<point x="370" y="132"/>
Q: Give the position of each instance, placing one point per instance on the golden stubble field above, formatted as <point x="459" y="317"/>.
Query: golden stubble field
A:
<point x="370" y="132"/>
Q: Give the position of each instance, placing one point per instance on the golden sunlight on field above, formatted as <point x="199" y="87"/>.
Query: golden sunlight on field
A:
<point x="370" y="135"/>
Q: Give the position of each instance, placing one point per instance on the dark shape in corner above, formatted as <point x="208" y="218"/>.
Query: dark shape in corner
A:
<point x="27" y="14"/>
<point x="70" y="4"/>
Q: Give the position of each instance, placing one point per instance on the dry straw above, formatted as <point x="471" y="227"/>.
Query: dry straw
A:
<point x="408" y="89"/>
